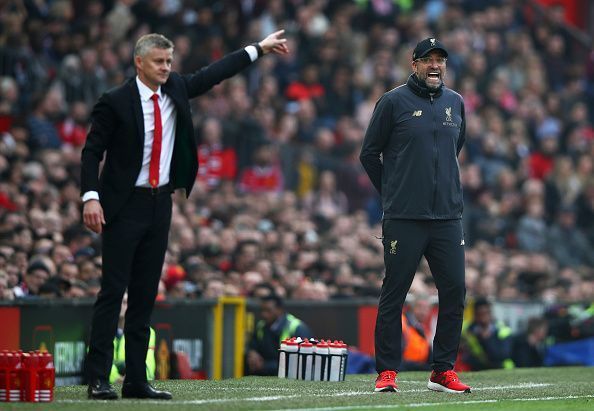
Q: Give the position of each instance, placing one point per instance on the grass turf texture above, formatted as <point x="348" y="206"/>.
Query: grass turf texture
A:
<point x="568" y="388"/>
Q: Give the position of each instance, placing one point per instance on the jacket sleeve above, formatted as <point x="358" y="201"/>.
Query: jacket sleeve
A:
<point x="376" y="138"/>
<point x="102" y="127"/>
<point x="211" y="75"/>
<point x="462" y="136"/>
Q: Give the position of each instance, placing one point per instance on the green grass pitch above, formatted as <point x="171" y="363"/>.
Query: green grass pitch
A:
<point x="567" y="388"/>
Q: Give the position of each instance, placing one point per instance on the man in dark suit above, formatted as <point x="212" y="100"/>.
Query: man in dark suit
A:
<point x="144" y="128"/>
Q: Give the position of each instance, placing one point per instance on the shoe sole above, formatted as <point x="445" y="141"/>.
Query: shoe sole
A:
<point x="133" y="397"/>
<point x="386" y="389"/>
<point x="103" y="397"/>
<point x="433" y="386"/>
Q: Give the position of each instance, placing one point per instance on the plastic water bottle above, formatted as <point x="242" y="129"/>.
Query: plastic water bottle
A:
<point x="292" y="351"/>
<point x="12" y="380"/>
<point x="47" y="377"/>
<point x="29" y="377"/>
<point x="282" y="360"/>
<point x="321" y="361"/>
<point x="344" y="359"/>
<point x="335" y="351"/>
<point x="306" y="350"/>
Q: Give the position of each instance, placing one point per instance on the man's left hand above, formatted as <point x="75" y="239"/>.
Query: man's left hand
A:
<point x="275" y="43"/>
<point x="255" y="361"/>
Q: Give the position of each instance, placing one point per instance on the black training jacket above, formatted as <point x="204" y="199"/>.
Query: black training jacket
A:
<point x="419" y="136"/>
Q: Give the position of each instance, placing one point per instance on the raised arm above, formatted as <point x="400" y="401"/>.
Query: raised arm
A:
<point x="211" y="75"/>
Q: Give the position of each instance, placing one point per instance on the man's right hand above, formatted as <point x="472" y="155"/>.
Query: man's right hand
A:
<point x="93" y="216"/>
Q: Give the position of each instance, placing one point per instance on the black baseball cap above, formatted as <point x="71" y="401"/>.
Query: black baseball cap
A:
<point x="424" y="47"/>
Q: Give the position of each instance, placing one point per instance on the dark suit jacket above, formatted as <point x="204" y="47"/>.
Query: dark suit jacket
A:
<point x="117" y="129"/>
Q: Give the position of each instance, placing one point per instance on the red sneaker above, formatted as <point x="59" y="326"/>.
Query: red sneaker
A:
<point x="447" y="381"/>
<point x="386" y="381"/>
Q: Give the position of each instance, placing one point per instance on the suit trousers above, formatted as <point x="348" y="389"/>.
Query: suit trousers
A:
<point x="134" y="246"/>
<point x="405" y="242"/>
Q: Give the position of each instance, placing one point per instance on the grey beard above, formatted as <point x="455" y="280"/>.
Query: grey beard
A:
<point x="424" y="82"/>
<point x="431" y="87"/>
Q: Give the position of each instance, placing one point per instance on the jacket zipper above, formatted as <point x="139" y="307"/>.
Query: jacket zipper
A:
<point x="435" y="158"/>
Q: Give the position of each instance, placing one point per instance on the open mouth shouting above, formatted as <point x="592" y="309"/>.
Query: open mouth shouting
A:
<point x="433" y="78"/>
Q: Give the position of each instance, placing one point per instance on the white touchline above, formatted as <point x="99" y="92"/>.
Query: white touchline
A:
<point x="182" y="402"/>
<point x="515" y="386"/>
<point x="433" y="404"/>
<point x="355" y="407"/>
<point x="319" y="393"/>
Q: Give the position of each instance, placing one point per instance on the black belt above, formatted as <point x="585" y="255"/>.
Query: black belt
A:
<point x="166" y="189"/>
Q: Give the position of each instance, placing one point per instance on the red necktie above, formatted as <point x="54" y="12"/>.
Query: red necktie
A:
<point x="156" y="151"/>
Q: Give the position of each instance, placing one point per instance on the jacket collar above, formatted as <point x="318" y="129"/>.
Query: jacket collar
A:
<point x="420" y="88"/>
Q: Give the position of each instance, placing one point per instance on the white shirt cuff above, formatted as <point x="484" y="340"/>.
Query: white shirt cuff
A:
<point x="90" y="195"/>
<point x="253" y="52"/>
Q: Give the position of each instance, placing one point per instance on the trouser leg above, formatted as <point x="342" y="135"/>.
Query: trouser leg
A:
<point x="119" y="241"/>
<point x="445" y="255"/>
<point x="404" y="242"/>
<point x="143" y="287"/>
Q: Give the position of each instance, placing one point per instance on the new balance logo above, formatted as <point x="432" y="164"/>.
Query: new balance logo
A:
<point x="462" y="242"/>
<point x="417" y="113"/>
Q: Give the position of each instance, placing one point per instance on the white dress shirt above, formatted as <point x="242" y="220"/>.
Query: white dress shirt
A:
<point x="168" y="123"/>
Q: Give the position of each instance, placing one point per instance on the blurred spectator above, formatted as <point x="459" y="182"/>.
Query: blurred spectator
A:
<point x="532" y="228"/>
<point x="567" y="243"/>
<point x="486" y="343"/>
<point x="307" y="87"/>
<point x="6" y="293"/>
<point x="416" y="346"/>
<point x="353" y="181"/>
<point x="276" y="325"/>
<point x="215" y="162"/>
<point x="541" y="161"/>
<point x="82" y="77"/>
<point x="265" y="175"/>
<point x="9" y="108"/>
<point x="327" y="202"/>
<point x="36" y="275"/>
<point x="50" y="289"/>
<point x="43" y="132"/>
<point x="120" y="19"/>
<point x="528" y="347"/>
<point x="585" y="210"/>
<point x="73" y="129"/>
<point x="246" y="255"/>
<point x="563" y="185"/>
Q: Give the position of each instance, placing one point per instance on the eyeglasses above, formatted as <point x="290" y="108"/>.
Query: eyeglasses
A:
<point x="437" y="60"/>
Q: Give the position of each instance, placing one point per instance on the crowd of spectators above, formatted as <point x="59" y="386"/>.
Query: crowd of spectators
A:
<point x="281" y="198"/>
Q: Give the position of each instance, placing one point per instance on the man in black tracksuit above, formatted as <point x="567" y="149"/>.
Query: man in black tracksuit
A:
<point x="418" y="130"/>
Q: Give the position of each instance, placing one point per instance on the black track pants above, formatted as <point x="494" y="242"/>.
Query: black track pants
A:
<point x="405" y="242"/>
